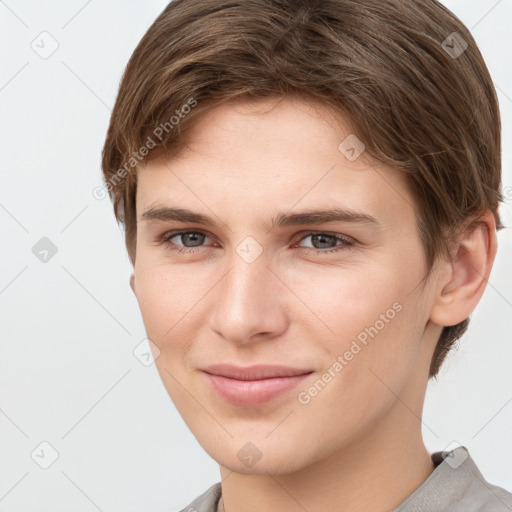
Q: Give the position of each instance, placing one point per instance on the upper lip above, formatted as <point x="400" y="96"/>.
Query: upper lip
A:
<point x="256" y="372"/>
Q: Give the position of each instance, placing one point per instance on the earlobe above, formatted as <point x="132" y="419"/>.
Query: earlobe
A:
<point x="459" y="293"/>
<point x="132" y="284"/>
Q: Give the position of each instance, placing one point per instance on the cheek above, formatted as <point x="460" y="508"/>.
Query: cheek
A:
<point x="166" y="299"/>
<point x="345" y="301"/>
<point x="362" y="322"/>
<point x="169" y="302"/>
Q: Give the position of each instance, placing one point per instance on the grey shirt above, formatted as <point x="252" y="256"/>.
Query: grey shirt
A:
<point x="455" y="485"/>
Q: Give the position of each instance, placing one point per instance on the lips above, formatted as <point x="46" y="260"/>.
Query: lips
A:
<point x="255" y="385"/>
<point x="256" y="372"/>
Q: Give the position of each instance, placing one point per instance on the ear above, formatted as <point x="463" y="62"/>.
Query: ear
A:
<point x="132" y="283"/>
<point x="465" y="277"/>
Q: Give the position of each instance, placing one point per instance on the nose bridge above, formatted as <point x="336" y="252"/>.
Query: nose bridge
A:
<point x="246" y="303"/>
<point x="247" y="284"/>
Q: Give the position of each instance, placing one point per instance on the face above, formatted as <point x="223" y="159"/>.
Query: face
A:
<point x="233" y="267"/>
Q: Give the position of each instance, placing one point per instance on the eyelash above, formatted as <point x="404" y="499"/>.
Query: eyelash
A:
<point x="346" y="242"/>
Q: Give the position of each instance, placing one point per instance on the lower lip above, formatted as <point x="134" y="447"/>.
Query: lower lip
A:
<point x="249" y="393"/>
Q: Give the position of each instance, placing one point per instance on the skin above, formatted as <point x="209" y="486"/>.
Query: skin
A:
<point x="357" y="442"/>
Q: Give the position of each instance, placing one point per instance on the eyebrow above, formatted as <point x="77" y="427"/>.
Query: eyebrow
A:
<point x="282" y="219"/>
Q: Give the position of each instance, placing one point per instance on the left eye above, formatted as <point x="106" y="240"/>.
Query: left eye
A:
<point x="331" y="237"/>
<point x="193" y="240"/>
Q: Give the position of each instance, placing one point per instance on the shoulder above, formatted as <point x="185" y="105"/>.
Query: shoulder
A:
<point x="491" y="498"/>
<point x="479" y="495"/>
<point x="457" y="485"/>
<point x="207" y="501"/>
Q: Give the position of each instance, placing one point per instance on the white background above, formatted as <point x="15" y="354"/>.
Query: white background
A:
<point x="67" y="372"/>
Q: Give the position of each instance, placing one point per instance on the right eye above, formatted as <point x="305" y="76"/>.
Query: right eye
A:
<point x="195" y="238"/>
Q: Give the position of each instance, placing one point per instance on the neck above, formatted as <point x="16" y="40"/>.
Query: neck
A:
<point x="378" y="472"/>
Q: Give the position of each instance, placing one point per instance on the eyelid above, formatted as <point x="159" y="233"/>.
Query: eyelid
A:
<point x="347" y="242"/>
<point x="165" y="237"/>
<point x="335" y="234"/>
<point x="304" y="234"/>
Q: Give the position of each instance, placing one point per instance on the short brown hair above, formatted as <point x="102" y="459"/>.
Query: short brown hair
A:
<point x="407" y="74"/>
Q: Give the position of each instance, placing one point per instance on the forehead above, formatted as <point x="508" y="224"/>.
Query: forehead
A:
<point x="273" y="155"/>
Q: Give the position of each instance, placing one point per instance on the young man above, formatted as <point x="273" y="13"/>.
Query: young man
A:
<point x="310" y="195"/>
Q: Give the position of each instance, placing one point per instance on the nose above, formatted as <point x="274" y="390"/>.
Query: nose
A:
<point x="249" y="302"/>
